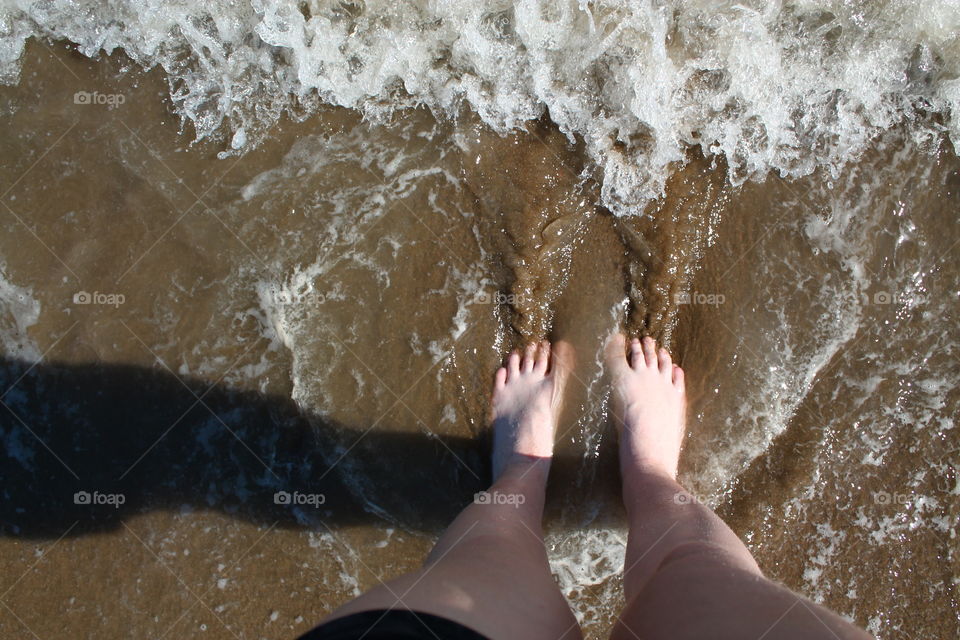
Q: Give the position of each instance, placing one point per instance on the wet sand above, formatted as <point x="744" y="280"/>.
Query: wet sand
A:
<point x="322" y="317"/>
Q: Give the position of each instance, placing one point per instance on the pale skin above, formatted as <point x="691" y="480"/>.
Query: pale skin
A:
<point x="686" y="574"/>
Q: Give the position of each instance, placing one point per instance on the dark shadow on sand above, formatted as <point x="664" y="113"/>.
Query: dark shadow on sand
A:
<point x="139" y="432"/>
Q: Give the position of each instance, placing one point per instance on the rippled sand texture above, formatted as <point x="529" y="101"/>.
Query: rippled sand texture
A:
<point x="323" y="315"/>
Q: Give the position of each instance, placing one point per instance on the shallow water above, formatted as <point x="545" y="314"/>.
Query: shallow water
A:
<point x="322" y="315"/>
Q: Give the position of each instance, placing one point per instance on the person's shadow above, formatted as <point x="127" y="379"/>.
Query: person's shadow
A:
<point x="85" y="446"/>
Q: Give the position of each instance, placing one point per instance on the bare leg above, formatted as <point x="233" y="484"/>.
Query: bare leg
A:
<point x="489" y="570"/>
<point x="687" y="575"/>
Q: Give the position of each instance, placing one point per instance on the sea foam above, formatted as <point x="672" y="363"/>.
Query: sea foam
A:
<point x="785" y="86"/>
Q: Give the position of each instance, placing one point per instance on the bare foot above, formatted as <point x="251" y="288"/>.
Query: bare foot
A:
<point x="649" y="404"/>
<point x="526" y="401"/>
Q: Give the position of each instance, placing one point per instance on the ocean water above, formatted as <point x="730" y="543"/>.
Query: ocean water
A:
<point x="254" y="247"/>
<point x="788" y="87"/>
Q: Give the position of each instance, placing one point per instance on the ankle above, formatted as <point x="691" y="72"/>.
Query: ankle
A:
<point x="647" y="483"/>
<point x="521" y="465"/>
<point x="634" y="464"/>
<point x="522" y="482"/>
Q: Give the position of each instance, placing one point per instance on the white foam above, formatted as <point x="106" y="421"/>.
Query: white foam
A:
<point x="787" y="87"/>
<point x="19" y="311"/>
<point x="588" y="561"/>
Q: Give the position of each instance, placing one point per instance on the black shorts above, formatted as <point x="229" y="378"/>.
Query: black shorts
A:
<point x="392" y="624"/>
